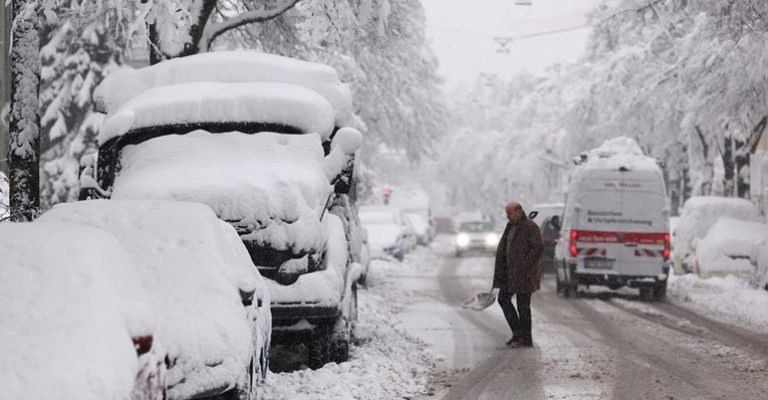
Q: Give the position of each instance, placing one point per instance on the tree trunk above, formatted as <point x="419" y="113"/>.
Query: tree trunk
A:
<point x="24" y="118"/>
<point x="729" y="178"/>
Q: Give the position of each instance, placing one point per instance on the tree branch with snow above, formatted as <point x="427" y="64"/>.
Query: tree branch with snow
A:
<point x="212" y="31"/>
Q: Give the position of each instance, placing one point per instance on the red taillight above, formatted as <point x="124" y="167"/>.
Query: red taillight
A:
<point x="574" y="251"/>
<point x="667" y="247"/>
<point x="142" y="344"/>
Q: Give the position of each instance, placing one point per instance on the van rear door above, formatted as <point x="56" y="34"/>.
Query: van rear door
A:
<point x="643" y="226"/>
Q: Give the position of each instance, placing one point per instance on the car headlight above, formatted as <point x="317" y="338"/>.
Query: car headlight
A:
<point x="492" y="239"/>
<point x="462" y="240"/>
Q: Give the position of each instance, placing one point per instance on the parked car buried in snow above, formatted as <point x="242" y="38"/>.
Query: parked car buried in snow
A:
<point x="212" y="305"/>
<point x="260" y="139"/>
<point x="76" y="323"/>
<point x="388" y="234"/>
<point x="697" y="217"/>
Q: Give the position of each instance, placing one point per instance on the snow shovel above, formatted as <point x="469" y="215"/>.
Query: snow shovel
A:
<point x="481" y="301"/>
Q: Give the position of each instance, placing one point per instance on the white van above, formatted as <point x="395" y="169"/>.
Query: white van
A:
<point x="615" y="225"/>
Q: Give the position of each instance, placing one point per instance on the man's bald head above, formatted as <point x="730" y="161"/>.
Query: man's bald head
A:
<point x="514" y="211"/>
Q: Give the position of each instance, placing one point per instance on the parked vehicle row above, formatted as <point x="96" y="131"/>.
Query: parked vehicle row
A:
<point x="227" y="178"/>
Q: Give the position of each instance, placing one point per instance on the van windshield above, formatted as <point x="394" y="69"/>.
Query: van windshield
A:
<point x="623" y="211"/>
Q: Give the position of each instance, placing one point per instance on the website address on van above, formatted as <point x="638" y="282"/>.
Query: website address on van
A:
<point x="613" y="217"/>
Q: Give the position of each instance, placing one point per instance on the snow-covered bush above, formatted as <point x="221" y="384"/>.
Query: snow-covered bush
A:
<point x="728" y="246"/>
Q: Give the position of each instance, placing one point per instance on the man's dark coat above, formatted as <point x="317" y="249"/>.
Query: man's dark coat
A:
<point x="519" y="258"/>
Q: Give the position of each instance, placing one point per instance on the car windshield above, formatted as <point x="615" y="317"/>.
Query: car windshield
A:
<point x="475" y="227"/>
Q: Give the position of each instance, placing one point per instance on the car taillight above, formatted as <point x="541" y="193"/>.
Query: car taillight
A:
<point x="142" y="344"/>
<point x="572" y="249"/>
<point x="667" y="247"/>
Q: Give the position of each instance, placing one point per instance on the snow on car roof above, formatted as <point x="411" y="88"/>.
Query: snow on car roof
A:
<point x="212" y="102"/>
<point x="60" y="306"/>
<point x="620" y="152"/>
<point x="229" y="67"/>
<point x="270" y="184"/>
<point x="181" y="258"/>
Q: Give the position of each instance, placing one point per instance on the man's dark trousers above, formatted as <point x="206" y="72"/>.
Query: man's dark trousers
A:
<point x="519" y="320"/>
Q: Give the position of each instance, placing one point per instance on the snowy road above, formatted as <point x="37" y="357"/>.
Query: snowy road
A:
<point x="602" y="345"/>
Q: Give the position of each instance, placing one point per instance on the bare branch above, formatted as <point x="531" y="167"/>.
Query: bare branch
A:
<point x="212" y="31"/>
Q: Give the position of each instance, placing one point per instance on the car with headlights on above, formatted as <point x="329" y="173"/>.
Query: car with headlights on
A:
<point x="477" y="237"/>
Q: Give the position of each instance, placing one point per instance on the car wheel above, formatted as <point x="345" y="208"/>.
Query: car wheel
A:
<point x="244" y="389"/>
<point x="319" y="347"/>
<point x="344" y="331"/>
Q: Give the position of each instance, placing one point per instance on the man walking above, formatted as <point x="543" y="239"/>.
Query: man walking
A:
<point x="517" y="272"/>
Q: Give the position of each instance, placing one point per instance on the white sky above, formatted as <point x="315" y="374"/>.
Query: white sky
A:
<point x="462" y="31"/>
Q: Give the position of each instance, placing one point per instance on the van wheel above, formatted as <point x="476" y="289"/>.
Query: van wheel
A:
<point x="660" y="292"/>
<point x="646" y="293"/>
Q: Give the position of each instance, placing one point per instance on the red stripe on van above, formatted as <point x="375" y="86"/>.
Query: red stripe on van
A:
<point x="619" y="237"/>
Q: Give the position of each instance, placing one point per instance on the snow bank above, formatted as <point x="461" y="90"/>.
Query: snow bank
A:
<point x="227" y="67"/>
<point x="727" y="247"/>
<point x="208" y="102"/>
<point x="385" y="363"/>
<point x="700" y="213"/>
<point x="184" y="262"/>
<point x="69" y="303"/>
<point x="269" y="184"/>
<point x="729" y="298"/>
<point x="759" y="258"/>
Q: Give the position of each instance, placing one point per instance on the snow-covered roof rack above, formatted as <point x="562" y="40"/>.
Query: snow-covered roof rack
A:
<point x="228" y="67"/>
<point x="200" y="103"/>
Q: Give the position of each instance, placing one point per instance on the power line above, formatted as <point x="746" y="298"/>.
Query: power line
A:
<point x="519" y="37"/>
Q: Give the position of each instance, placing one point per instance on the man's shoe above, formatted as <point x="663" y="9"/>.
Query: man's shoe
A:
<point x="519" y="343"/>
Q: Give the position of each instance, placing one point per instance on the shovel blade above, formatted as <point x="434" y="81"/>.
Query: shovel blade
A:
<point x="481" y="301"/>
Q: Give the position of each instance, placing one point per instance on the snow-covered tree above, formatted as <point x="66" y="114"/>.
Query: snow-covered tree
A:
<point x="24" y="118"/>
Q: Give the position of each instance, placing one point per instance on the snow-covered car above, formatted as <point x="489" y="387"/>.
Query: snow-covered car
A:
<point x="546" y="211"/>
<point x="476" y="237"/>
<point x="388" y="235"/>
<point x="212" y="309"/>
<point x="264" y="141"/>
<point x="697" y="217"/>
<point x="421" y="227"/>
<point x="727" y="248"/>
<point x="76" y="322"/>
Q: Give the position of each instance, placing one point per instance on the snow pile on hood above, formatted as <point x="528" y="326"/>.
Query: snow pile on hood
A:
<point x="227" y="67"/>
<point x="729" y="298"/>
<point x="183" y="261"/>
<point x="212" y="102"/>
<point x="727" y="247"/>
<point x="700" y="213"/>
<point x="270" y="185"/>
<point x="69" y="305"/>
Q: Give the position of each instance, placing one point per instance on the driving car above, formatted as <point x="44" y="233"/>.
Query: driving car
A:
<point x="212" y="305"/>
<point x="476" y="236"/>
<point x="267" y="143"/>
<point x="76" y="320"/>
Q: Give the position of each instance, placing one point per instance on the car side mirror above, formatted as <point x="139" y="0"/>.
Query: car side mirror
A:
<point x="533" y="214"/>
<point x="246" y="296"/>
